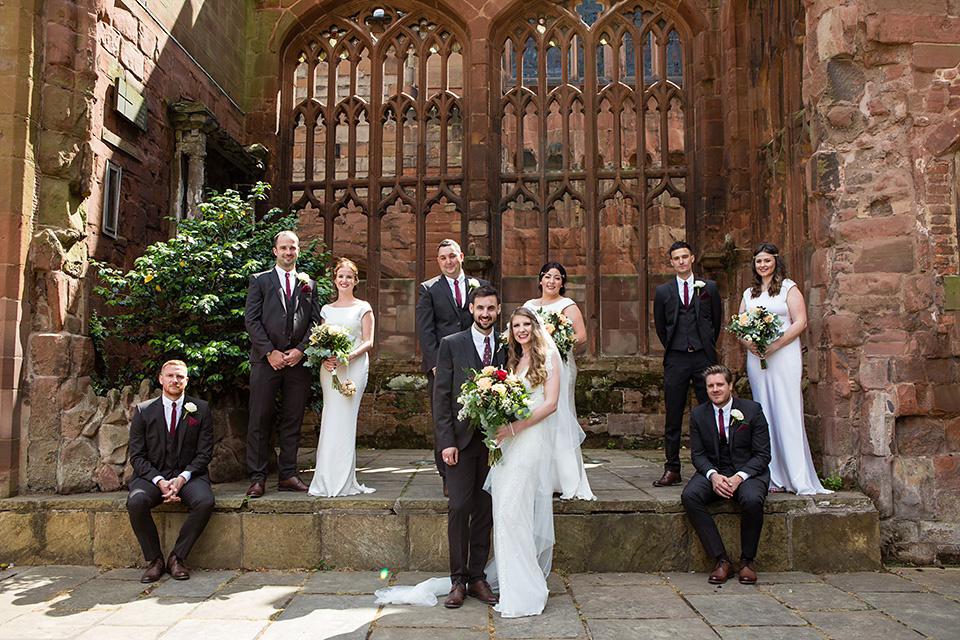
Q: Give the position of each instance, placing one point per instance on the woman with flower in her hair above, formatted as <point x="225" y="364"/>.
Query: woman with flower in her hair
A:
<point x="569" y="474"/>
<point x="777" y="387"/>
<point x="336" y="469"/>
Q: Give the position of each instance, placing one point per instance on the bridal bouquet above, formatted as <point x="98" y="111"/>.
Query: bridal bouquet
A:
<point x="560" y="328"/>
<point x="491" y="398"/>
<point x="331" y="341"/>
<point x="758" y="326"/>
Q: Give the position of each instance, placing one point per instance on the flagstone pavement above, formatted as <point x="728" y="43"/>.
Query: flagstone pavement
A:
<point x="87" y="603"/>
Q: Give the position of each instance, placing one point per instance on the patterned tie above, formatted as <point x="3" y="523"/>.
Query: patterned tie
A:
<point x="487" y="353"/>
<point x="290" y="295"/>
<point x="723" y="431"/>
<point x="456" y="287"/>
<point x="686" y="294"/>
<point x="173" y="419"/>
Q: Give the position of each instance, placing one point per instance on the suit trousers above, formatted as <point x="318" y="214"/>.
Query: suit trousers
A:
<point x="265" y="382"/>
<point x="437" y="458"/>
<point x="750" y="494"/>
<point x="144" y="496"/>
<point x="469" y="513"/>
<point x="680" y="370"/>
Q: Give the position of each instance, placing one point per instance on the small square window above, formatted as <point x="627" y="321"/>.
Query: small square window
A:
<point x="111" y="200"/>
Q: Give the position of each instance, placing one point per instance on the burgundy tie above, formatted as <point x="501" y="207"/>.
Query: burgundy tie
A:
<point x="289" y="295"/>
<point x="173" y="419"/>
<point x="723" y="431"/>
<point x="456" y="287"/>
<point x="686" y="294"/>
<point x="487" y="353"/>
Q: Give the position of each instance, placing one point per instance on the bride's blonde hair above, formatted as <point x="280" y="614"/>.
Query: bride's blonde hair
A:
<point x="537" y="371"/>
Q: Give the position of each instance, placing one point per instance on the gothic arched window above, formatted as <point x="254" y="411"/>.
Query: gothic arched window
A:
<point x="373" y="129"/>
<point x="594" y="161"/>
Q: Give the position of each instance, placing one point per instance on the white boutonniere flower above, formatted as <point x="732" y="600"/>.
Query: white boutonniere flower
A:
<point x="302" y="277"/>
<point x="736" y="415"/>
<point x="189" y="407"/>
<point x="698" y="284"/>
<point x="473" y="283"/>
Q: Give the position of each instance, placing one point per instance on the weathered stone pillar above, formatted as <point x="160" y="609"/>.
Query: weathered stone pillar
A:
<point x="882" y="188"/>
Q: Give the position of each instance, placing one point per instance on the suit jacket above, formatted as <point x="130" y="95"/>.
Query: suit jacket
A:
<point x="456" y="356"/>
<point x="193" y="440"/>
<point x="438" y="317"/>
<point x="266" y="314"/>
<point x="706" y="304"/>
<point x="749" y="440"/>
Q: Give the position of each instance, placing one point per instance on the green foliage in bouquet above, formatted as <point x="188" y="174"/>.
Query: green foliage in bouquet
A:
<point x="185" y="297"/>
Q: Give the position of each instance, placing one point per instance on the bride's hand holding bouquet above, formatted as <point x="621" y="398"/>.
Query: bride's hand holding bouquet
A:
<point x="330" y="346"/>
<point x="490" y="399"/>
<point x="757" y="328"/>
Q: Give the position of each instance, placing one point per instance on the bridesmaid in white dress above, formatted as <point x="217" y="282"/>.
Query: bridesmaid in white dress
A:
<point x="336" y="472"/>
<point x="569" y="475"/>
<point x="777" y="388"/>
<point x="521" y="484"/>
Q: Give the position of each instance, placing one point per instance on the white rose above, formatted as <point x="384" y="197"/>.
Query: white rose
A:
<point x="736" y="414"/>
<point x="190" y="407"/>
<point x="699" y="283"/>
<point x="473" y="283"/>
<point x="302" y="277"/>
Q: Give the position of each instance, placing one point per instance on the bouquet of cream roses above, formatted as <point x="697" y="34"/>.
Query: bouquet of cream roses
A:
<point x="490" y="398"/>
<point x="560" y="328"/>
<point x="331" y="341"/>
<point x="758" y="326"/>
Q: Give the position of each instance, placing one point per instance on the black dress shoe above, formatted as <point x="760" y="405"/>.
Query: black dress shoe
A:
<point x="668" y="479"/>
<point x="154" y="571"/>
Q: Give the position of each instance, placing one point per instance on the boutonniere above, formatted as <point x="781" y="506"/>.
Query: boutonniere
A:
<point x="698" y="284"/>
<point x="304" y="282"/>
<point x="736" y="417"/>
<point x="473" y="283"/>
<point x="189" y="407"/>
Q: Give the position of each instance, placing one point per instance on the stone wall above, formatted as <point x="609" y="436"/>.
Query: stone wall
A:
<point x="882" y="90"/>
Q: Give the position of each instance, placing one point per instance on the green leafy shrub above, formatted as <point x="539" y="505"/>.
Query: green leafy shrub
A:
<point x="185" y="297"/>
<point x="833" y="482"/>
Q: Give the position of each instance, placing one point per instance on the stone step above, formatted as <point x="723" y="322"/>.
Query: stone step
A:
<point x="631" y="527"/>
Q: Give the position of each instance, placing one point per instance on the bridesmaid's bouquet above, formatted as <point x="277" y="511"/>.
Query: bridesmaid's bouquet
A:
<point x="331" y="341"/>
<point x="491" y="398"/>
<point x="560" y="328"/>
<point x="758" y="326"/>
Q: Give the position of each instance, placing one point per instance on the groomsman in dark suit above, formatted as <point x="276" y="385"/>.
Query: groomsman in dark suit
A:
<point x="171" y="443"/>
<point x="470" y="510"/>
<point x="687" y="314"/>
<point x="730" y="442"/>
<point x="282" y="307"/>
<point x="442" y="310"/>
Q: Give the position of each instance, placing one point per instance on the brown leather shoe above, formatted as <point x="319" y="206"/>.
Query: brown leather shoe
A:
<point x="178" y="571"/>
<point x="256" y="489"/>
<point x="721" y="573"/>
<point x="154" y="572"/>
<point x="748" y="575"/>
<point x="455" y="598"/>
<point x="446" y="489"/>
<point x="293" y="483"/>
<point x="668" y="479"/>
<point x="482" y="592"/>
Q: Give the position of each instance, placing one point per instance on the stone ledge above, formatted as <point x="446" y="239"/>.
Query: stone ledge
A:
<point x="403" y="525"/>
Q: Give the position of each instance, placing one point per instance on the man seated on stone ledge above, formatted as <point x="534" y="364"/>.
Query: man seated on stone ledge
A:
<point x="171" y="443"/>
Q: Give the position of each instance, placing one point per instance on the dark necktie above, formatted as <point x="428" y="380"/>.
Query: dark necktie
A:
<point x="173" y="420"/>
<point x="290" y="295"/>
<point x="686" y="294"/>
<point x="456" y="287"/>
<point x="723" y="431"/>
<point x="487" y="353"/>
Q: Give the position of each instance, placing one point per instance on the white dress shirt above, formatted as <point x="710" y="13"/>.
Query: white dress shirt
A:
<point x="283" y="282"/>
<point x="459" y="281"/>
<point x="167" y="414"/>
<point x="689" y="282"/>
<point x="726" y="409"/>
<point x="478" y="342"/>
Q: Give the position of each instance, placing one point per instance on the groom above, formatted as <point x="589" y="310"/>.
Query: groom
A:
<point x="442" y="310"/>
<point x="470" y="511"/>
<point x="687" y="314"/>
<point x="730" y="443"/>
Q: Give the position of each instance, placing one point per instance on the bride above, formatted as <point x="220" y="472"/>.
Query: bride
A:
<point x="520" y="484"/>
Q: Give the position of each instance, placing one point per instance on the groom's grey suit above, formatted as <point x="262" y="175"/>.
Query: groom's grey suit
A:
<point x="470" y="511"/>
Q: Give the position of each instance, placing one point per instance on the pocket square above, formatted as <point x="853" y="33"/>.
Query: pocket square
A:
<point x="192" y="422"/>
<point x="742" y="427"/>
<point x="704" y="296"/>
